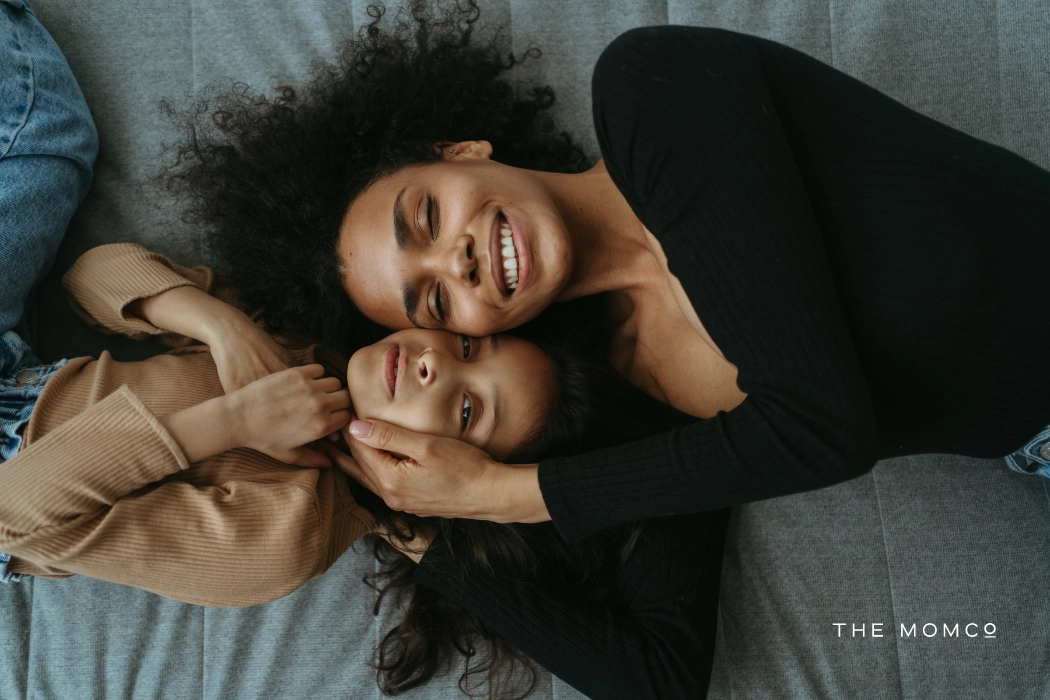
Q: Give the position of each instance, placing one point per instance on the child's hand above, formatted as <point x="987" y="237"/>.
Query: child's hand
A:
<point x="244" y="354"/>
<point x="281" y="412"/>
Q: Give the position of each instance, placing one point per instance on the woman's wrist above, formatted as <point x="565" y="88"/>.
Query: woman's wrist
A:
<point x="520" y="498"/>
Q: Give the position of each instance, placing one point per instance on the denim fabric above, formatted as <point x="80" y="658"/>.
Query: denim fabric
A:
<point x="48" y="146"/>
<point x="1033" y="458"/>
<point x="22" y="380"/>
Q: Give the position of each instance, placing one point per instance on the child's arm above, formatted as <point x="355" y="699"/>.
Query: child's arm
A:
<point x="124" y="288"/>
<point x="106" y="280"/>
<point x="107" y="495"/>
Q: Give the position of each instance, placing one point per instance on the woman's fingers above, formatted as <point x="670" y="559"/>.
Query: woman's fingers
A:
<point x="390" y="476"/>
<point x="347" y="464"/>
<point x="390" y="438"/>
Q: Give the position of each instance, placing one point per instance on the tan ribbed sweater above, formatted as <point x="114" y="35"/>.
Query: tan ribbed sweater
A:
<point x="100" y="488"/>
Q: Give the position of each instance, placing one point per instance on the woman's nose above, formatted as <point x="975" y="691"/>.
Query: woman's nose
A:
<point x="464" y="262"/>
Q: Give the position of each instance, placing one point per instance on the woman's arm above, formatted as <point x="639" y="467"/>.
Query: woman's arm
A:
<point x="652" y="638"/>
<point x="699" y="146"/>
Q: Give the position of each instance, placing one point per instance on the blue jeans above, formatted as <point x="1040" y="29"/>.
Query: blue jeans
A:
<point x="1033" y="458"/>
<point x="48" y="146"/>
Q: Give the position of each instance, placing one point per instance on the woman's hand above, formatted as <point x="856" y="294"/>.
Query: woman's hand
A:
<point x="281" y="412"/>
<point x="439" y="477"/>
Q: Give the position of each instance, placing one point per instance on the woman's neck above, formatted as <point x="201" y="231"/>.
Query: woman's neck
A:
<point x="608" y="240"/>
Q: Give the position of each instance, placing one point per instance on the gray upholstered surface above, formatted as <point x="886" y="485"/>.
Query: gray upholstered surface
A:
<point x="931" y="539"/>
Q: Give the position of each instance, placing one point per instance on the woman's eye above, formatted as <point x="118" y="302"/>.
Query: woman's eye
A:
<point x="466" y="348"/>
<point x="438" y="305"/>
<point x="465" y="418"/>
<point x="430" y="218"/>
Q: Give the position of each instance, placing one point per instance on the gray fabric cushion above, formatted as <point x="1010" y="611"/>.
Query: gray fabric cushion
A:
<point x="927" y="539"/>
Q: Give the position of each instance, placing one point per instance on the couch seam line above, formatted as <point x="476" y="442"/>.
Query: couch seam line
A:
<point x="889" y="579"/>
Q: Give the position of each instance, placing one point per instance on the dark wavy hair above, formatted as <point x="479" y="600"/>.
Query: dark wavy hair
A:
<point x="267" y="180"/>
<point x="591" y="407"/>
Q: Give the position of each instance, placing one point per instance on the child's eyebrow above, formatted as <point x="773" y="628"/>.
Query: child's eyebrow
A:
<point x="495" y="409"/>
<point x="493" y="349"/>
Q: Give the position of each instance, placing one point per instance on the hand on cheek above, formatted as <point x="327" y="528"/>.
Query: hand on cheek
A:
<point x="434" y="476"/>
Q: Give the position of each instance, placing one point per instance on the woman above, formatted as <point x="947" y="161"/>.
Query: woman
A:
<point x="766" y="270"/>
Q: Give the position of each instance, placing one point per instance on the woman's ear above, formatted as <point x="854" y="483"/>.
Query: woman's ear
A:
<point x="451" y="150"/>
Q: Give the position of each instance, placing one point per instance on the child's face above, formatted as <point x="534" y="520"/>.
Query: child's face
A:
<point x="492" y="392"/>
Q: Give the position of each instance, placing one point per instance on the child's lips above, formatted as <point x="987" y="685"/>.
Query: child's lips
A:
<point x="391" y="367"/>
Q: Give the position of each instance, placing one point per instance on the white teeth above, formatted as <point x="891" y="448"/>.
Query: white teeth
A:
<point x="510" y="257"/>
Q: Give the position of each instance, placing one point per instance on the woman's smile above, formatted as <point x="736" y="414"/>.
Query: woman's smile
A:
<point x="509" y="255"/>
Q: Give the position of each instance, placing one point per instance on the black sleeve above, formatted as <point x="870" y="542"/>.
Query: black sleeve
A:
<point x="691" y="137"/>
<point x="653" y="637"/>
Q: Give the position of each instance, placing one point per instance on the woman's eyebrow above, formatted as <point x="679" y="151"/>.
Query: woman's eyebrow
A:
<point x="401" y="232"/>
<point x="410" y="295"/>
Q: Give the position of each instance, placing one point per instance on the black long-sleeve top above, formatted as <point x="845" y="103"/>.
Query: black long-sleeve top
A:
<point x="877" y="277"/>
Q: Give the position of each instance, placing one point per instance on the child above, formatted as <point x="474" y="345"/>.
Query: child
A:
<point x="149" y="474"/>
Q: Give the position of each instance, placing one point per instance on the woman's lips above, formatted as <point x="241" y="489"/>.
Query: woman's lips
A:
<point x="393" y="368"/>
<point x="521" y="247"/>
<point x="521" y="250"/>
<point x="495" y="258"/>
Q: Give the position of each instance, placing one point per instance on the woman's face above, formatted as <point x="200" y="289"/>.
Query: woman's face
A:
<point x="427" y="246"/>
<point x="492" y="392"/>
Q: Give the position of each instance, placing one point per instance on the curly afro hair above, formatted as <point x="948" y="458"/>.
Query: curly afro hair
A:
<point x="267" y="179"/>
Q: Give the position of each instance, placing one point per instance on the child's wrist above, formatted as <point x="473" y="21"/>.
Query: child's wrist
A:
<point x="230" y="416"/>
<point x="219" y="322"/>
<point x="201" y="431"/>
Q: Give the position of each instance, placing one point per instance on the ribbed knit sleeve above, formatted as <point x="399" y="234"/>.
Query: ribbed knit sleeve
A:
<point x="651" y="636"/>
<point x="691" y="137"/>
<point x="104" y="280"/>
<point x="108" y="494"/>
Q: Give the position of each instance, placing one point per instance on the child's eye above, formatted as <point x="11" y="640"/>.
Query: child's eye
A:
<point x="466" y="414"/>
<point x="466" y="347"/>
